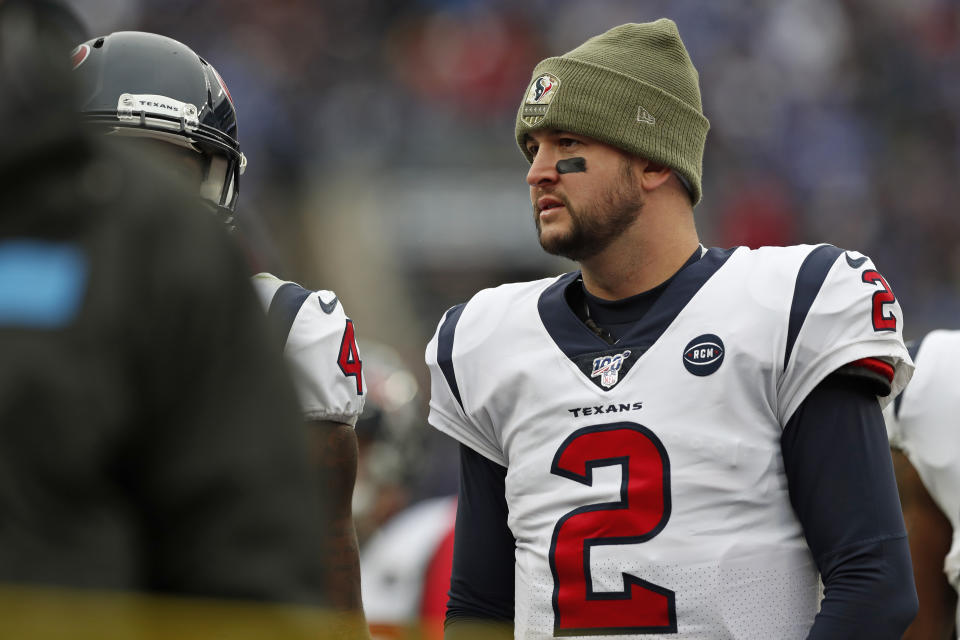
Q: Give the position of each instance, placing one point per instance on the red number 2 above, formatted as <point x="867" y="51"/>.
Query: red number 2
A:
<point x="639" y="515"/>
<point x="881" y="321"/>
<point x="349" y="359"/>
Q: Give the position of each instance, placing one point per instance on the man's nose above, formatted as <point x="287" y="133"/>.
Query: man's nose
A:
<point x="543" y="170"/>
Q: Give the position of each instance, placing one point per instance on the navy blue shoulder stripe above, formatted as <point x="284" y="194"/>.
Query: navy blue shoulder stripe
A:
<point x="810" y="278"/>
<point x="284" y="307"/>
<point x="913" y="348"/>
<point x="445" y="348"/>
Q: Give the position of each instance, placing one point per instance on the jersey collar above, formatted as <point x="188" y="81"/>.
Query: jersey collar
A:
<point x="575" y="339"/>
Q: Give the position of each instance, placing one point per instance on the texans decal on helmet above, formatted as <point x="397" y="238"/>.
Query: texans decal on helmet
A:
<point x="223" y="85"/>
<point x="80" y="54"/>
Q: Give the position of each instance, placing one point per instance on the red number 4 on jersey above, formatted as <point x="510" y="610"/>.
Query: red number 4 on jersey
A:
<point x="349" y="359"/>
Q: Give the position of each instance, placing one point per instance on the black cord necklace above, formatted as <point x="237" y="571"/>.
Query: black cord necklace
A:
<point x="590" y="323"/>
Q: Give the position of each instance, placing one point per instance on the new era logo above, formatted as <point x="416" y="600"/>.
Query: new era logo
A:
<point x="645" y="116"/>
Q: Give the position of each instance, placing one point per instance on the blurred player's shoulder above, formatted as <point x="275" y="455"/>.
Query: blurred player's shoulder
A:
<point x="319" y="342"/>
<point x="931" y="397"/>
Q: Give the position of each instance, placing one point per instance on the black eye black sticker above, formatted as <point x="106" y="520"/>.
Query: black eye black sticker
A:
<point x="572" y="165"/>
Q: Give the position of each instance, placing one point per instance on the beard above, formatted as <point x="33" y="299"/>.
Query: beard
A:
<point x="595" y="226"/>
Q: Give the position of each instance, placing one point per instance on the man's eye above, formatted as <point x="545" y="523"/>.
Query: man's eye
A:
<point x="532" y="150"/>
<point x="566" y="142"/>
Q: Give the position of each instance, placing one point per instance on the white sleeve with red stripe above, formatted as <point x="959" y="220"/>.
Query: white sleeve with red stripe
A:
<point x="854" y="321"/>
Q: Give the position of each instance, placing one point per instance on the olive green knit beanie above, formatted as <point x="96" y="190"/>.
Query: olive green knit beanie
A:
<point x="633" y="87"/>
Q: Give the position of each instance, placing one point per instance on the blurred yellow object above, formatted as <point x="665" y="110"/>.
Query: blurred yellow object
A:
<point x="470" y="630"/>
<point x="41" y="613"/>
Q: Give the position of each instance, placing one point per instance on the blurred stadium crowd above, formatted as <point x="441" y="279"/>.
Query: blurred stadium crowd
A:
<point x="383" y="165"/>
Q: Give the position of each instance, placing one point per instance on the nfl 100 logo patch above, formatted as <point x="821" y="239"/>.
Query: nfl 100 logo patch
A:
<point x="607" y="368"/>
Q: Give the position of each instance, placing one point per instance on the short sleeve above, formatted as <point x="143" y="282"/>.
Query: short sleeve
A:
<point x="320" y="348"/>
<point x="843" y="313"/>
<point x="449" y="389"/>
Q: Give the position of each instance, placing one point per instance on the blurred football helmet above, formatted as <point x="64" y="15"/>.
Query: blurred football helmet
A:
<point x="147" y="85"/>
<point x="390" y="433"/>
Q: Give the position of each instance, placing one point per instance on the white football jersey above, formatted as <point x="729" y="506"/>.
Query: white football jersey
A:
<point x="320" y="348"/>
<point x="393" y="563"/>
<point x="925" y="424"/>
<point x="645" y="482"/>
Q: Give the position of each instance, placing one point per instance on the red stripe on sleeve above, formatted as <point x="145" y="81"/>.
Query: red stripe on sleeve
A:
<point x="876" y="365"/>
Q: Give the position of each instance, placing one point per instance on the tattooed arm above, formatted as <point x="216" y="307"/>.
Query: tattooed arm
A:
<point x="334" y="456"/>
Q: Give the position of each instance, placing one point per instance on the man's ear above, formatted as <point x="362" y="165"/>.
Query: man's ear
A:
<point x="652" y="175"/>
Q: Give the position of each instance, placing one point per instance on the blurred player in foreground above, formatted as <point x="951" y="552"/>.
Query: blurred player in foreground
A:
<point x="162" y="99"/>
<point x="673" y="439"/>
<point x="924" y="429"/>
<point x="149" y="437"/>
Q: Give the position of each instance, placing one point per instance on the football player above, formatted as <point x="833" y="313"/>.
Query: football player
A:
<point x="922" y="426"/>
<point x="672" y="439"/>
<point x="150" y="467"/>
<point x="405" y="549"/>
<point x="159" y="94"/>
